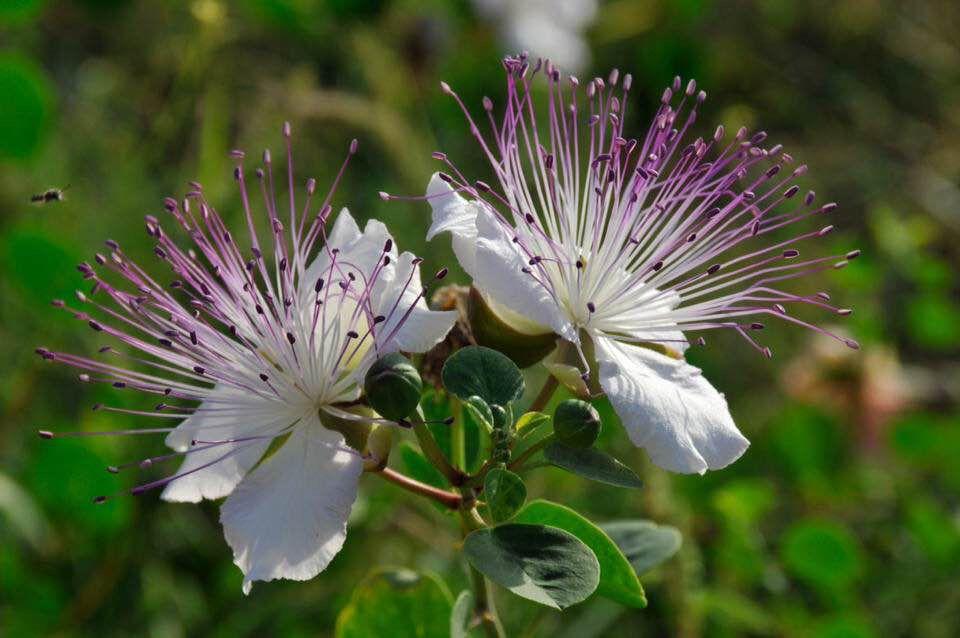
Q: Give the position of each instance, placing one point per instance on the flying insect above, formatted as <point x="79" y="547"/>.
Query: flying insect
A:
<point x="49" y="195"/>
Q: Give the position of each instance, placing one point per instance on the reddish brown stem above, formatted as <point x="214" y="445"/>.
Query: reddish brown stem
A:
<point x="445" y="498"/>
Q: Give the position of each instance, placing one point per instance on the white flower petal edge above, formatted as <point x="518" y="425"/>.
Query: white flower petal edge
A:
<point x="669" y="408"/>
<point x="456" y="215"/>
<point x="212" y="471"/>
<point x="499" y="274"/>
<point x="422" y="328"/>
<point x="288" y="518"/>
<point x="358" y="249"/>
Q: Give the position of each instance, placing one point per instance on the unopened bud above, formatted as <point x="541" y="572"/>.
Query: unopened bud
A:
<point x="576" y="423"/>
<point x="393" y="387"/>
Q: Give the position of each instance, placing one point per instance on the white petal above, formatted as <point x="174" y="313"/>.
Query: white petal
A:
<point x="456" y="215"/>
<point x="423" y="328"/>
<point x="668" y="408"/>
<point x="212" y="471"/>
<point x="499" y="274"/>
<point x="364" y="253"/>
<point x="288" y="518"/>
<point x="357" y="250"/>
<point x="345" y="230"/>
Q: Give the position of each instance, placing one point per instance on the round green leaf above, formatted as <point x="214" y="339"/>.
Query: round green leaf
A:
<point x="399" y="603"/>
<point x="644" y="543"/>
<point x="540" y="563"/>
<point x="461" y="615"/>
<point x="505" y="493"/>
<point x="482" y="372"/>
<point x="25" y="109"/>
<point x="591" y="463"/>
<point x="618" y="580"/>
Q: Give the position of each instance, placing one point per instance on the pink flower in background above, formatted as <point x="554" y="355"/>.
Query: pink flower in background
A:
<point x="622" y="246"/>
<point x="256" y="344"/>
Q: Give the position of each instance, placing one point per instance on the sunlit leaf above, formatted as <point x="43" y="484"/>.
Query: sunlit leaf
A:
<point x="530" y="421"/>
<point x="618" y="580"/>
<point x="540" y="563"/>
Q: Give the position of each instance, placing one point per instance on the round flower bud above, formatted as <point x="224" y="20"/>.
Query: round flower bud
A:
<point x="576" y="423"/>
<point x="393" y="386"/>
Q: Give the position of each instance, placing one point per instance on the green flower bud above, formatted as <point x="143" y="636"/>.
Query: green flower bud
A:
<point x="576" y="423"/>
<point x="393" y="387"/>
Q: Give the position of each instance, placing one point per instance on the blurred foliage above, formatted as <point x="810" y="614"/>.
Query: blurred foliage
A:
<point x="843" y="518"/>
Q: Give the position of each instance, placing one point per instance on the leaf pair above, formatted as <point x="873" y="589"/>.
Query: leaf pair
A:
<point x="554" y="556"/>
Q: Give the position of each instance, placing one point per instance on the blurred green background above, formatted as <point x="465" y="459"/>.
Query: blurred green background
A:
<point x="842" y="519"/>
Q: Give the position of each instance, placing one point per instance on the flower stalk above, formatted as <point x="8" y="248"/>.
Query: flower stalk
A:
<point x="433" y="452"/>
<point x="530" y="451"/>
<point x="449" y="500"/>
<point x="546" y="393"/>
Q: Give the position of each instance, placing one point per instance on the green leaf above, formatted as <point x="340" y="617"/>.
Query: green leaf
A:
<point x="540" y="563"/>
<point x="618" y="580"/>
<point x="644" y="543"/>
<point x="461" y="615"/>
<point x="482" y="372"/>
<point x="437" y="406"/>
<point x="419" y="467"/>
<point x="530" y="421"/>
<point x="399" y="603"/>
<point x="505" y="493"/>
<point x="592" y="464"/>
<point x="479" y="411"/>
